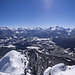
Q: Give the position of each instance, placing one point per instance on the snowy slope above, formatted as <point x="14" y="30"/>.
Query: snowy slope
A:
<point x="60" y="69"/>
<point x="11" y="64"/>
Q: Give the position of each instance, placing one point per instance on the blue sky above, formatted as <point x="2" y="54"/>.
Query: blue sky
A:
<point x="37" y="13"/>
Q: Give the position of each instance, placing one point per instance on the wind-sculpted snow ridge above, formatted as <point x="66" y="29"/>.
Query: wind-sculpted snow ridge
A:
<point x="12" y="64"/>
<point x="60" y="69"/>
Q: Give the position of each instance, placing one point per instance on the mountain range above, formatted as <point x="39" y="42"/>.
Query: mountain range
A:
<point x="38" y="32"/>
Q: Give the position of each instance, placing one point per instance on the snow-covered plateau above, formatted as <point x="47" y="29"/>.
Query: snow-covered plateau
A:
<point x="60" y="69"/>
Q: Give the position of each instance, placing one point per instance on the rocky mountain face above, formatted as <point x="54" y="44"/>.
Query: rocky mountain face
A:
<point x="38" y="62"/>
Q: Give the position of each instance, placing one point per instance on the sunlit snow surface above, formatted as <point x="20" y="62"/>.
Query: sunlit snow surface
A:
<point x="32" y="47"/>
<point x="60" y="69"/>
<point x="11" y="64"/>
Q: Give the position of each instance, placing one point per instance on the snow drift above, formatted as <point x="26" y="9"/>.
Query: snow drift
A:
<point x="60" y="69"/>
<point x="11" y="64"/>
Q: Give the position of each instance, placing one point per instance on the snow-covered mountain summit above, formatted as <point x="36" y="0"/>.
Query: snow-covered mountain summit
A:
<point x="60" y="69"/>
<point x="55" y="28"/>
<point x="11" y="64"/>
